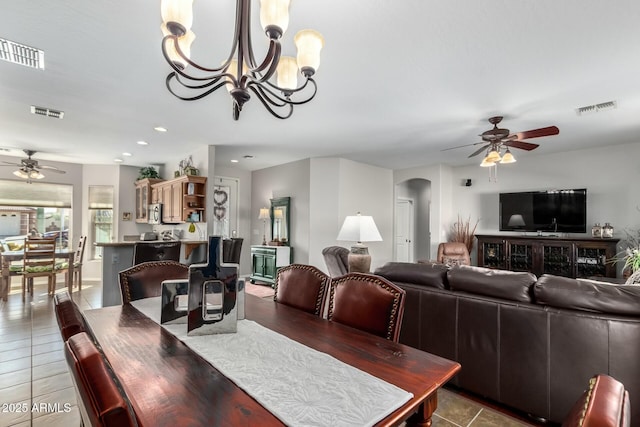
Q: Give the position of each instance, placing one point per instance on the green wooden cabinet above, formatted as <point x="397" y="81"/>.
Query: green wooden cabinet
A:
<point x="265" y="261"/>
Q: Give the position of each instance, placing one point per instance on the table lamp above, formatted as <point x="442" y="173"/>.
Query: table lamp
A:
<point x="277" y="215"/>
<point x="264" y="216"/>
<point x="359" y="228"/>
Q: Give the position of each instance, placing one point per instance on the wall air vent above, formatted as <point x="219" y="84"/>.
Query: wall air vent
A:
<point x="21" y="54"/>
<point x="596" y="107"/>
<point x="47" y="112"/>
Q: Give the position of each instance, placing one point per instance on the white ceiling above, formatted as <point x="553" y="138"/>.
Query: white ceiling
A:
<point x="399" y="80"/>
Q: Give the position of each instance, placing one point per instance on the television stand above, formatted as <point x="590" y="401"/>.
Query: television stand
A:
<point x="579" y="257"/>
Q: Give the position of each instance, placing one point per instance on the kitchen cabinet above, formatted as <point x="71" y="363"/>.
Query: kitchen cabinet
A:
<point x="569" y="257"/>
<point x="143" y="198"/>
<point x="183" y="199"/>
<point x="266" y="260"/>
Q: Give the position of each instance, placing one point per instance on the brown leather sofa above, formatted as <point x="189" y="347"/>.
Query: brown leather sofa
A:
<point x="531" y="344"/>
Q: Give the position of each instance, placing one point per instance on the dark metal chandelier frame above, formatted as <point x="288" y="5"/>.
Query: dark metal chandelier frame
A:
<point x="277" y="100"/>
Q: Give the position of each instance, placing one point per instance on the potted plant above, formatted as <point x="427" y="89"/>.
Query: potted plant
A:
<point x="630" y="256"/>
<point x="148" y="172"/>
<point x="461" y="231"/>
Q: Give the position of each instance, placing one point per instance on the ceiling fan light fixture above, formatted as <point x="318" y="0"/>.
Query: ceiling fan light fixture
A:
<point x="486" y="163"/>
<point x="21" y="174"/>
<point x="493" y="156"/>
<point x="508" y="158"/>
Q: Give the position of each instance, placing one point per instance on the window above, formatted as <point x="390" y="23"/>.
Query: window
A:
<point x="101" y="217"/>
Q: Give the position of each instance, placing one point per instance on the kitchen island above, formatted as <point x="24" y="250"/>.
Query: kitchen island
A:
<point x="118" y="256"/>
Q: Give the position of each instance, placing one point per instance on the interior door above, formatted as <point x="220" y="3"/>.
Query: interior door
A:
<point x="404" y="231"/>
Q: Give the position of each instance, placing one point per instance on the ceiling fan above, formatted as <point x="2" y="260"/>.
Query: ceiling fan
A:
<point x="29" y="168"/>
<point x="495" y="139"/>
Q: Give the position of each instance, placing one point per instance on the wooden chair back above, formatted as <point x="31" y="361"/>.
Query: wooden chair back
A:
<point x="39" y="260"/>
<point x="303" y="287"/>
<point x="604" y="404"/>
<point x="367" y="302"/>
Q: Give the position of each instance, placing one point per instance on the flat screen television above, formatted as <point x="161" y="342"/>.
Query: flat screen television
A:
<point x="562" y="211"/>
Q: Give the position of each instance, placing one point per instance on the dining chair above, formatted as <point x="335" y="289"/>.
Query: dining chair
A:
<point x="69" y="317"/>
<point x="231" y="250"/>
<point x="100" y="397"/>
<point x="367" y="302"/>
<point x="303" y="287"/>
<point x="156" y="251"/>
<point x="604" y="404"/>
<point x="39" y="260"/>
<point x="145" y="280"/>
<point x="77" y="258"/>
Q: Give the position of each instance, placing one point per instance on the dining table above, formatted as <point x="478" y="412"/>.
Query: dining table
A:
<point x="7" y="257"/>
<point x="169" y="384"/>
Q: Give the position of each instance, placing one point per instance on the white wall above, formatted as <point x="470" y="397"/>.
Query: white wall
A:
<point x="288" y="180"/>
<point x="609" y="173"/>
<point x="325" y="218"/>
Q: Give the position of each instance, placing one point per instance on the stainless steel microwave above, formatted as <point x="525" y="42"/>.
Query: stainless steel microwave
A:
<point x="155" y="213"/>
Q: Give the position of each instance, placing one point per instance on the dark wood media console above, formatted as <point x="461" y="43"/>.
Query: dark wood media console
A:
<point x="561" y="256"/>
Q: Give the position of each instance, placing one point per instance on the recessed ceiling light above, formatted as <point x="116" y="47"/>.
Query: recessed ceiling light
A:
<point x="142" y="143"/>
<point x="126" y="154"/>
<point x="118" y="160"/>
<point x="248" y="156"/>
<point x="160" y="129"/>
<point x="234" y="161"/>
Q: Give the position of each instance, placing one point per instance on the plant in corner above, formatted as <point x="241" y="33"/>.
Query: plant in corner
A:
<point x="461" y="231"/>
<point x="630" y="256"/>
<point x="148" y="172"/>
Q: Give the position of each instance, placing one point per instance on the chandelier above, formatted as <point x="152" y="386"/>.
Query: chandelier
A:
<point x="240" y="73"/>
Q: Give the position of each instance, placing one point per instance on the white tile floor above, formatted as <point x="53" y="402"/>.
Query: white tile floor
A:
<point x="36" y="388"/>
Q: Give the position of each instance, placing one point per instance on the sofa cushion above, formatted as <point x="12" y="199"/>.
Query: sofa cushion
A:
<point x="432" y="275"/>
<point x="510" y="285"/>
<point x="589" y="295"/>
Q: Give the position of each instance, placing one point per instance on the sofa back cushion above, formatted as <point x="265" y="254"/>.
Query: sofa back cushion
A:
<point x="509" y="285"/>
<point x="589" y="295"/>
<point x="432" y="275"/>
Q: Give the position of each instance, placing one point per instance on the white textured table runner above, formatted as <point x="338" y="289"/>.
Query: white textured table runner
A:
<point x="299" y="385"/>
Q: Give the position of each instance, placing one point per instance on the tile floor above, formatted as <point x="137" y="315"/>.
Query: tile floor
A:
<point x="36" y="388"/>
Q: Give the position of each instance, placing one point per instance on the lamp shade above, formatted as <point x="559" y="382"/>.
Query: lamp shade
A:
<point x="177" y="15"/>
<point x="508" y="157"/>
<point x="516" y="220"/>
<point x="274" y="12"/>
<point x="278" y="214"/>
<point x="264" y="213"/>
<point x="359" y="228"/>
<point x="309" y="44"/>
<point x="287" y="73"/>
<point x="493" y="156"/>
<point x="486" y="163"/>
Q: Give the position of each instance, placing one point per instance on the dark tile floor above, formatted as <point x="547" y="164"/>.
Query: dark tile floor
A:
<point x="36" y="388"/>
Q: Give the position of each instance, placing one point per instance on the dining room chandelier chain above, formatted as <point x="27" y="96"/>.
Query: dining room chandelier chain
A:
<point x="240" y="73"/>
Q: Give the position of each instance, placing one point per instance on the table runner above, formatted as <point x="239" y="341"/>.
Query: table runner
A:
<point x="299" y="385"/>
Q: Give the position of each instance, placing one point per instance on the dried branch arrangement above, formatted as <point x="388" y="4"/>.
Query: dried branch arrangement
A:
<point x="461" y="231"/>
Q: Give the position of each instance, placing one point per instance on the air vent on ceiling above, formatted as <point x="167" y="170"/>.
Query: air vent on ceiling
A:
<point x="596" y="107"/>
<point x="21" y="54"/>
<point x="47" y="112"/>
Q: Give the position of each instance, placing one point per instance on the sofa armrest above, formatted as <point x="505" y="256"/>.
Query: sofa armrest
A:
<point x="604" y="404"/>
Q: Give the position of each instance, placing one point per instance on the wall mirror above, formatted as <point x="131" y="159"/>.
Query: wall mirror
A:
<point x="280" y="208"/>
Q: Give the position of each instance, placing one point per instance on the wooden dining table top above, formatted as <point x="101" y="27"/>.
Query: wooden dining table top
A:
<point x="170" y="385"/>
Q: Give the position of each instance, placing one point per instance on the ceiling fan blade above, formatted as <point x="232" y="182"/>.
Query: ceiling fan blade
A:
<point x="465" y="145"/>
<point x="535" y="133"/>
<point x="479" y="150"/>
<point x="51" y="169"/>
<point x="10" y="164"/>
<point x="521" y="145"/>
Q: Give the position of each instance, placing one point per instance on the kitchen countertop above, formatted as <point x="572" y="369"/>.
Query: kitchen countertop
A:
<point x="131" y="243"/>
